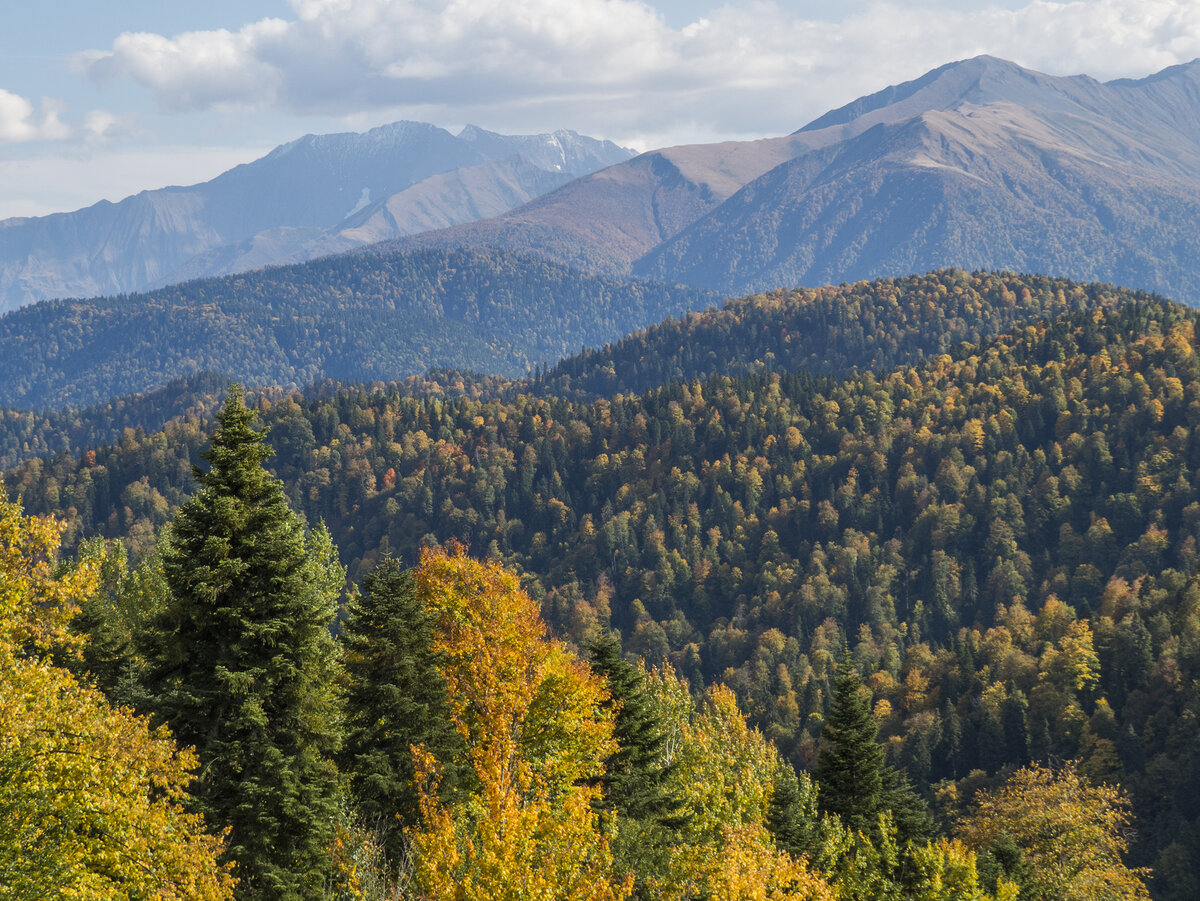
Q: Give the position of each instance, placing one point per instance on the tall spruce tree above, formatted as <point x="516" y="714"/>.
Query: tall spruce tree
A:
<point x="636" y="775"/>
<point x="853" y="779"/>
<point x="395" y="699"/>
<point x="248" y="669"/>
<point x="850" y="763"/>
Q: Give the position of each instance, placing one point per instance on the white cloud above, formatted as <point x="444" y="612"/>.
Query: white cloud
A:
<point x="614" y="67"/>
<point x="19" y="121"/>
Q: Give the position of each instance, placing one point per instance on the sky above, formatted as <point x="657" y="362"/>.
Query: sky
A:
<point x="101" y="100"/>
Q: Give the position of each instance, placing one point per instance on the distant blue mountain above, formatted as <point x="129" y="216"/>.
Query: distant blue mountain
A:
<point x="314" y="196"/>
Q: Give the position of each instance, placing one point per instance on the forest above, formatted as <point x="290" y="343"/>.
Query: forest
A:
<point x="357" y="317"/>
<point x="961" y="556"/>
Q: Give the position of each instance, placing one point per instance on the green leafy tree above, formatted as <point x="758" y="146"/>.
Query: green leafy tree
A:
<point x="793" y="818"/>
<point x="91" y="797"/>
<point x="248" y="669"/>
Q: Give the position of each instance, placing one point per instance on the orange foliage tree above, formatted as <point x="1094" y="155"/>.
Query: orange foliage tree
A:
<point x="533" y="718"/>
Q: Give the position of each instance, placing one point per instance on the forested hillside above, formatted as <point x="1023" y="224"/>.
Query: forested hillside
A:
<point x="1002" y="539"/>
<point x="26" y="433"/>
<point x="832" y="330"/>
<point x="350" y="318"/>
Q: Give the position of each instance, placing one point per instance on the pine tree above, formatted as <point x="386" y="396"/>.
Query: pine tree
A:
<point x="395" y="699"/>
<point x="248" y="668"/>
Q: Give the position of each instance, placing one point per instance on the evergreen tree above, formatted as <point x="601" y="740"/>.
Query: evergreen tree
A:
<point x="248" y="668"/>
<point x="1016" y="730"/>
<point x="395" y="699"/>
<point x="792" y="816"/>
<point x="635" y="776"/>
<point x="853" y="779"/>
<point x="850" y="764"/>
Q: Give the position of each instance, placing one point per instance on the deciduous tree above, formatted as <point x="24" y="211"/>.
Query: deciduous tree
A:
<point x="91" y="798"/>
<point x="1072" y="835"/>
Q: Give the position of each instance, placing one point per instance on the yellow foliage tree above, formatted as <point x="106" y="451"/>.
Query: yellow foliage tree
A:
<point x="90" y="797"/>
<point x="750" y="868"/>
<point x="1072" y="835"/>
<point x="724" y="773"/>
<point x="944" y="870"/>
<point x="533" y="718"/>
<point x="36" y="607"/>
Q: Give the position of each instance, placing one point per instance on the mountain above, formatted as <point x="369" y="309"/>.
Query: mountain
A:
<point x="314" y="196"/>
<point x="605" y="221"/>
<point x="832" y="330"/>
<point x="980" y="164"/>
<point x="357" y="317"/>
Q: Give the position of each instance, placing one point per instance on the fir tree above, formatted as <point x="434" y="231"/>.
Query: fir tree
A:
<point x="395" y="699"/>
<point x="636" y="781"/>
<point x="850" y="764"/>
<point x="792" y="816"/>
<point x="248" y="668"/>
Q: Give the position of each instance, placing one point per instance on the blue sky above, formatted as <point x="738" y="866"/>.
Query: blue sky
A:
<point x="98" y="100"/>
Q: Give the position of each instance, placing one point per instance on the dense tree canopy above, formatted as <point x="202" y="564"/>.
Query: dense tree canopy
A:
<point x="1003" y="539"/>
<point x="91" y="798"/>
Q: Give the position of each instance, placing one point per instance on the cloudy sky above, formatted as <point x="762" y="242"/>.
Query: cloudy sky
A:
<point x="99" y="100"/>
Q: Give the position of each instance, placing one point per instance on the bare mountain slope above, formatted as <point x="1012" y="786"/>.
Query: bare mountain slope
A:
<point x="437" y="202"/>
<point x="604" y="221"/>
<point x="978" y="164"/>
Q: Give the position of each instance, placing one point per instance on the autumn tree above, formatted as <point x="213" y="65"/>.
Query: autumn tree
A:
<point x="1071" y="835"/>
<point x="534" y="720"/>
<point x="248" y="669"/>
<point x="91" y="798"/>
<point x="723" y="773"/>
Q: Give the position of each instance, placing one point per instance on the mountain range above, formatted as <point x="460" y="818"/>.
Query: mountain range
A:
<point x="360" y="317"/>
<point x="981" y="489"/>
<point x="314" y="196"/>
<point x="979" y="163"/>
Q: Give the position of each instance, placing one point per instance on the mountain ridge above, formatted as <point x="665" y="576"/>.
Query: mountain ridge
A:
<point x="1047" y="187"/>
<point x="158" y="237"/>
